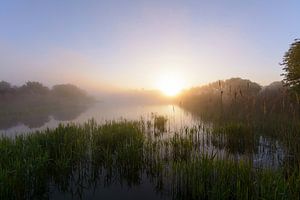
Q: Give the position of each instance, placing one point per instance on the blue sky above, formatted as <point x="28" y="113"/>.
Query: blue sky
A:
<point x="133" y="44"/>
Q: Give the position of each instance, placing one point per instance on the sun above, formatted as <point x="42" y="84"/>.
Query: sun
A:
<point x="170" y="85"/>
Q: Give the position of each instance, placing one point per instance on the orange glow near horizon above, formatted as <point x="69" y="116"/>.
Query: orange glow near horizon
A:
<point x="170" y="85"/>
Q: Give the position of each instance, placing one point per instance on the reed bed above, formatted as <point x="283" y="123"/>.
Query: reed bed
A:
<point x="79" y="158"/>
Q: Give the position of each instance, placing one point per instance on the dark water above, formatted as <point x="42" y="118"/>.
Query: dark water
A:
<point x="145" y="190"/>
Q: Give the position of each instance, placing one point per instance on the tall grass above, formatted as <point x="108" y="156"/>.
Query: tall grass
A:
<point x="76" y="158"/>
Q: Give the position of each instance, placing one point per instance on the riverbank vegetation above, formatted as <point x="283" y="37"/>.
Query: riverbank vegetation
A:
<point x="36" y="95"/>
<point x="33" y="103"/>
<point x="245" y="145"/>
<point x="77" y="159"/>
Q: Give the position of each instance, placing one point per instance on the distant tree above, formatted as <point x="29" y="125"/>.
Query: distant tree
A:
<point x="291" y="66"/>
<point x="34" y="88"/>
<point x="5" y="87"/>
<point x="68" y="91"/>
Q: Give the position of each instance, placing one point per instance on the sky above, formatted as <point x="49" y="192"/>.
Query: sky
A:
<point x="137" y="44"/>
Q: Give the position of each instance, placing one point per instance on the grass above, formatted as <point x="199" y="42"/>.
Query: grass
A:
<point x="74" y="158"/>
<point x="235" y="138"/>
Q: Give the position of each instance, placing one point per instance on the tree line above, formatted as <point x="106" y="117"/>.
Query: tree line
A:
<point x="36" y="90"/>
<point x="36" y="96"/>
<point x="241" y="98"/>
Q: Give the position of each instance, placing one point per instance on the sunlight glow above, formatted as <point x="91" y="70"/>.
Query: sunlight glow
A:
<point x="170" y="85"/>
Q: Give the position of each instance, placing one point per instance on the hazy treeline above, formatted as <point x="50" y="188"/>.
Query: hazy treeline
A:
<point x="38" y="93"/>
<point x="32" y="103"/>
<point x="240" y="98"/>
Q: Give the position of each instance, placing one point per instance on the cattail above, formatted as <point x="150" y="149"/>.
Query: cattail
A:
<point x="297" y="98"/>
<point x="265" y="109"/>
<point x="222" y="96"/>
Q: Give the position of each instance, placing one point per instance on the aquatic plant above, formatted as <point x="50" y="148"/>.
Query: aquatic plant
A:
<point x="77" y="158"/>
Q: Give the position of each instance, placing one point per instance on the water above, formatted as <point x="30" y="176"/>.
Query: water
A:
<point x="100" y="111"/>
<point x="145" y="190"/>
<point x="266" y="155"/>
<point x="178" y="118"/>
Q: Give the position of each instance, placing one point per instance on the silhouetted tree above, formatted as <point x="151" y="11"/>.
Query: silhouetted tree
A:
<point x="291" y="66"/>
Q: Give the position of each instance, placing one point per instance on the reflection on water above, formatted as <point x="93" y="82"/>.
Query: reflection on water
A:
<point x="12" y="124"/>
<point x="95" y="189"/>
<point x="238" y="143"/>
<point x="263" y="152"/>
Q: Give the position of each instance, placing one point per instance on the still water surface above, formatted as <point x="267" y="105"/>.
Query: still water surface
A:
<point x="101" y="112"/>
<point x="269" y="153"/>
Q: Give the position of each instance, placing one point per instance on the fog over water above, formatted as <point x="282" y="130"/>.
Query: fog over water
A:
<point x="101" y="112"/>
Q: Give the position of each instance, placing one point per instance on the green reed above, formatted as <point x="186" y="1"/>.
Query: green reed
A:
<point x="76" y="158"/>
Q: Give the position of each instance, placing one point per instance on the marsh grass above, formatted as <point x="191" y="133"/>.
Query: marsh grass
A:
<point x="159" y="123"/>
<point x="235" y="138"/>
<point x="76" y="159"/>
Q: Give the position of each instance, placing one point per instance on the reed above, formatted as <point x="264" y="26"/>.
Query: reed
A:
<point x="76" y="158"/>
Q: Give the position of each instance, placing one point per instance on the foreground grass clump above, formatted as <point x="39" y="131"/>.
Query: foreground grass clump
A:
<point x="75" y="159"/>
<point x="29" y="162"/>
<point x="160" y="123"/>
<point x="222" y="179"/>
<point x="235" y="138"/>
